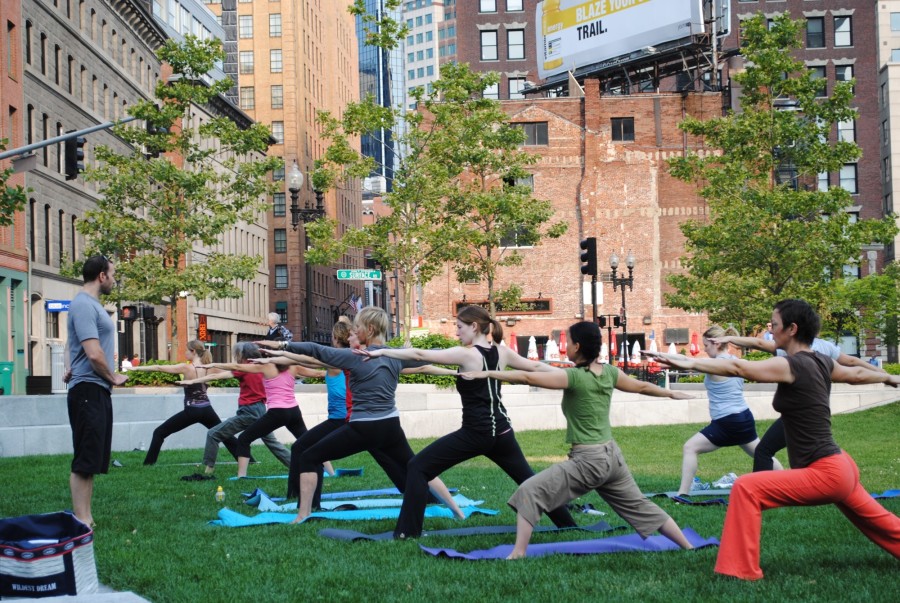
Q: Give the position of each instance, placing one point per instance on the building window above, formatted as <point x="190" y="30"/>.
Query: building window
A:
<point x="535" y="133"/>
<point x="278" y="131"/>
<point x="846" y="130"/>
<point x="516" y="85"/>
<point x="419" y="21"/>
<point x="275" y="65"/>
<point x="248" y="98"/>
<point x="886" y="171"/>
<point x="281" y="276"/>
<point x="895" y="55"/>
<point x="895" y="21"/>
<point x="277" y="97"/>
<point x="245" y="60"/>
<point x="420" y="72"/>
<point x="843" y="31"/>
<point x="278" y="174"/>
<point x="487" y="6"/>
<point x="815" y="32"/>
<point x="53" y="325"/>
<point x="429" y="71"/>
<point x="823" y="182"/>
<point x="275" y="25"/>
<point x="280" y="240"/>
<point x="515" y="40"/>
<point x="818" y="73"/>
<point x="885" y="133"/>
<point x="420" y="55"/>
<point x="411" y="74"/>
<point x="492" y="91"/>
<point x="844" y="73"/>
<point x="278" y="206"/>
<point x="622" y="129"/>
<point x="489" y="45"/>
<point x="848" y="178"/>
<point x="410" y="57"/>
<point x="516" y="237"/>
<point x="245" y="26"/>
<point x="281" y="309"/>
<point x="514" y="6"/>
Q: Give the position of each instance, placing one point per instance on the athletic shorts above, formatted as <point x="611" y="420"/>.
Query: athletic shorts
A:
<point x="91" y="418"/>
<point x="731" y="430"/>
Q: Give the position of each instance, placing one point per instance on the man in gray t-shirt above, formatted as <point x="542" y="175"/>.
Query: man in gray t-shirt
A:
<point x="89" y="357"/>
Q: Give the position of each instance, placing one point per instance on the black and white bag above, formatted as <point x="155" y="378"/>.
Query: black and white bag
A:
<point x="46" y="555"/>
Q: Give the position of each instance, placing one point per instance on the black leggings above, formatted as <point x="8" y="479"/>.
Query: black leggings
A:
<point x="269" y="422"/>
<point x="191" y="415"/>
<point x="449" y="451"/>
<point x="772" y="441"/>
<point x="383" y="439"/>
<point x="309" y="439"/>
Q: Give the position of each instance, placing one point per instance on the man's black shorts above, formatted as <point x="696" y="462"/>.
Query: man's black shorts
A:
<point x="91" y="418"/>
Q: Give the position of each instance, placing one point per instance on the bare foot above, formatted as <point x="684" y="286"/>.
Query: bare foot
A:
<point x="209" y="470"/>
<point x="516" y="555"/>
<point x="459" y="514"/>
<point x="298" y="519"/>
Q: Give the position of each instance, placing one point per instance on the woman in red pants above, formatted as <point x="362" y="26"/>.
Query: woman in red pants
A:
<point x="821" y="473"/>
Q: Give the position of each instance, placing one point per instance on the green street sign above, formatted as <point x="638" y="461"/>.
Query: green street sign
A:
<point x="359" y="275"/>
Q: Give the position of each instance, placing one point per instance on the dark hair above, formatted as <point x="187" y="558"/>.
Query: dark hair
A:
<point x="93" y="267"/>
<point x="245" y="350"/>
<point x="587" y="335"/>
<point x="481" y="317"/>
<point x="800" y="313"/>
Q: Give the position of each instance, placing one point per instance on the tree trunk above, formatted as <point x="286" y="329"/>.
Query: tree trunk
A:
<point x="407" y="309"/>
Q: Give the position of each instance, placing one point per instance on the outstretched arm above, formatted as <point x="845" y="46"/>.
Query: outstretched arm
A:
<point x="771" y="370"/>
<point x="754" y="343"/>
<point x="636" y="386"/>
<point x="289" y="358"/>
<point x="428" y="369"/>
<point x="207" y="378"/>
<point x="302" y="371"/>
<point x="233" y="366"/>
<point x="857" y="375"/>
<point x="455" y="355"/>
<point x="511" y="359"/>
<point x="172" y="369"/>
<point x="555" y="379"/>
<point x="853" y="361"/>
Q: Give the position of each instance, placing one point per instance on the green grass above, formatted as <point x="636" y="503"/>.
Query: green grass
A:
<point x="153" y="537"/>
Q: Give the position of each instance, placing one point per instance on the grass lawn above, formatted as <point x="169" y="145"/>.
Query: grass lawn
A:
<point x="153" y="537"/>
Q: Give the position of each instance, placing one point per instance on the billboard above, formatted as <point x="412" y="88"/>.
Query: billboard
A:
<point x="574" y="33"/>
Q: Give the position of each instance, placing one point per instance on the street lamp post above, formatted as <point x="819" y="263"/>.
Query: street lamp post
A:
<point x="620" y="282"/>
<point x="302" y="216"/>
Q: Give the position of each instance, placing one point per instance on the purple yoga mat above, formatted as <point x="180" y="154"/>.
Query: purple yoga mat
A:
<point x="613" y="544"/>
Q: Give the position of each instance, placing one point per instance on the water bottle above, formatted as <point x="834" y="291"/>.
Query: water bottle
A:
<point x="220" y="494"/>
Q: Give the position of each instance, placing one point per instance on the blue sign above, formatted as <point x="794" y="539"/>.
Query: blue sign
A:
<point x="57" y="305"/>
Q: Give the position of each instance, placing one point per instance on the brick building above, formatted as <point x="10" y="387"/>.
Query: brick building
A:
<point x="609" y="184"/>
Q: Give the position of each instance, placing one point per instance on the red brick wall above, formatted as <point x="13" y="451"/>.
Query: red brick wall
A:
<point x="618" y="192"/>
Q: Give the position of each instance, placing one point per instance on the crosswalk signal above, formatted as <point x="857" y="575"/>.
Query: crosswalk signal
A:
<point x="589" y="256"/>
<point x="74" y="162"/>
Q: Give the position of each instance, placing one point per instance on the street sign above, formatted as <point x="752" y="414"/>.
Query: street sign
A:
<point x="359" y="275"/>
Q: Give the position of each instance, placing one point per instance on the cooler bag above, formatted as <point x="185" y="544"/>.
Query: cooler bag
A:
<point x="46" y="555"/>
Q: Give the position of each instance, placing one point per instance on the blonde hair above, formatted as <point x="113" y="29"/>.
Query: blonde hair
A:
<point x="199" y="348"/>
<point x="374" y="318"/>
<point x="341" y="332"/>
<point x="717" y="331"/>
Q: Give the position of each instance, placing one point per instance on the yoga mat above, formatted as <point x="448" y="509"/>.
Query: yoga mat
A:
<point x="614" y="544"/>
<point x="231" y="519"/>
<point x="337" y="473"/>
<point x="887" y="494"/>
<point x="707" y="502"/>
<point x="693" y="493"/>
<point x="266" y="504"/>
<point x="353" y="535"/>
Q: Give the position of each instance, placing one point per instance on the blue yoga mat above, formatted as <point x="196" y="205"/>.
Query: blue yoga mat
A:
<point x="614" y="544"/>
<point x="353" y="535"/>
<point x="231" y="519"/>
<point x="673" y="494"/>
<point x="887" y="494"/>
<point x="266" y="504"/>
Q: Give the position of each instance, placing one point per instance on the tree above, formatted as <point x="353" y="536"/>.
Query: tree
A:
<point x="12" y="198"/>
<point x="772" y="233"/>
<point x="153" y="210"/>
<point x="455" y="193"/>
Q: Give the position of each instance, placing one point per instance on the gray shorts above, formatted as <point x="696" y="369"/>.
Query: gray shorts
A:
<point x="602" y="468"/>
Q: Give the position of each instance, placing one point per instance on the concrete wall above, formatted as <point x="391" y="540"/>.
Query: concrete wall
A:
<point x="39" y="424"/>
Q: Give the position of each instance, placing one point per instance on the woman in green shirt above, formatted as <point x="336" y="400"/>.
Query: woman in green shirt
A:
<point x="595" y="461"/>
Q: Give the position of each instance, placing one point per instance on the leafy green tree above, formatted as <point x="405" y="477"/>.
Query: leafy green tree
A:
<point x="12" y="198"/>
<point x="455" y="192"/>
<point x="771" y="232"/>
<point x="152" y="212"/>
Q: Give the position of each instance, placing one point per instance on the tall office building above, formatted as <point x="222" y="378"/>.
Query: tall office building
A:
<point x="423" y="20"/>
<point x="293" y="60"/>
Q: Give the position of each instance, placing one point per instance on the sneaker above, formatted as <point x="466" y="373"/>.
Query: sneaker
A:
<point x="726" y="481"/>
<point x="698" y="485"/>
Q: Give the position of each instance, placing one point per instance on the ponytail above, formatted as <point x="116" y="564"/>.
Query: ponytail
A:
<point x="486" y="325"/>
<point x="587" y="335"/>
<point x="198" y="348"/>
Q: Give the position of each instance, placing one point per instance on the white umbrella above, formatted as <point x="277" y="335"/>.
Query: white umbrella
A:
<point x="636" y="352"/>
<point x="532" y="349"/>
<point x="551" y="351"/>
<point x="672" y="349"/>
<point x="604" y="354"/>
<point x="653" y="345"/>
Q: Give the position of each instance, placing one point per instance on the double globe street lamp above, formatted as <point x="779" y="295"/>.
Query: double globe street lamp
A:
<point x="620" y="282"/>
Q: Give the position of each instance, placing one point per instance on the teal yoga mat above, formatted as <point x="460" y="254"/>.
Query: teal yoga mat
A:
<point x="231" y="519"/>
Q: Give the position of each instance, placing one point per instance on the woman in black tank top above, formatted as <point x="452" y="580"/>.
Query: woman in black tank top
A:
<point x="820" y="471"/>
<point x="485" y="430"/>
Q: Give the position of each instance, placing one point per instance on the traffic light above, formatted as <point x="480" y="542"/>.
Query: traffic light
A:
<point x="74" y="157"/>
<point x="153" y="150"/>
<point x="589" y="256"/>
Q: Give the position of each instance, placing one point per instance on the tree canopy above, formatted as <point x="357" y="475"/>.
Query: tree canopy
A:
<point x="780" y="224"/>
